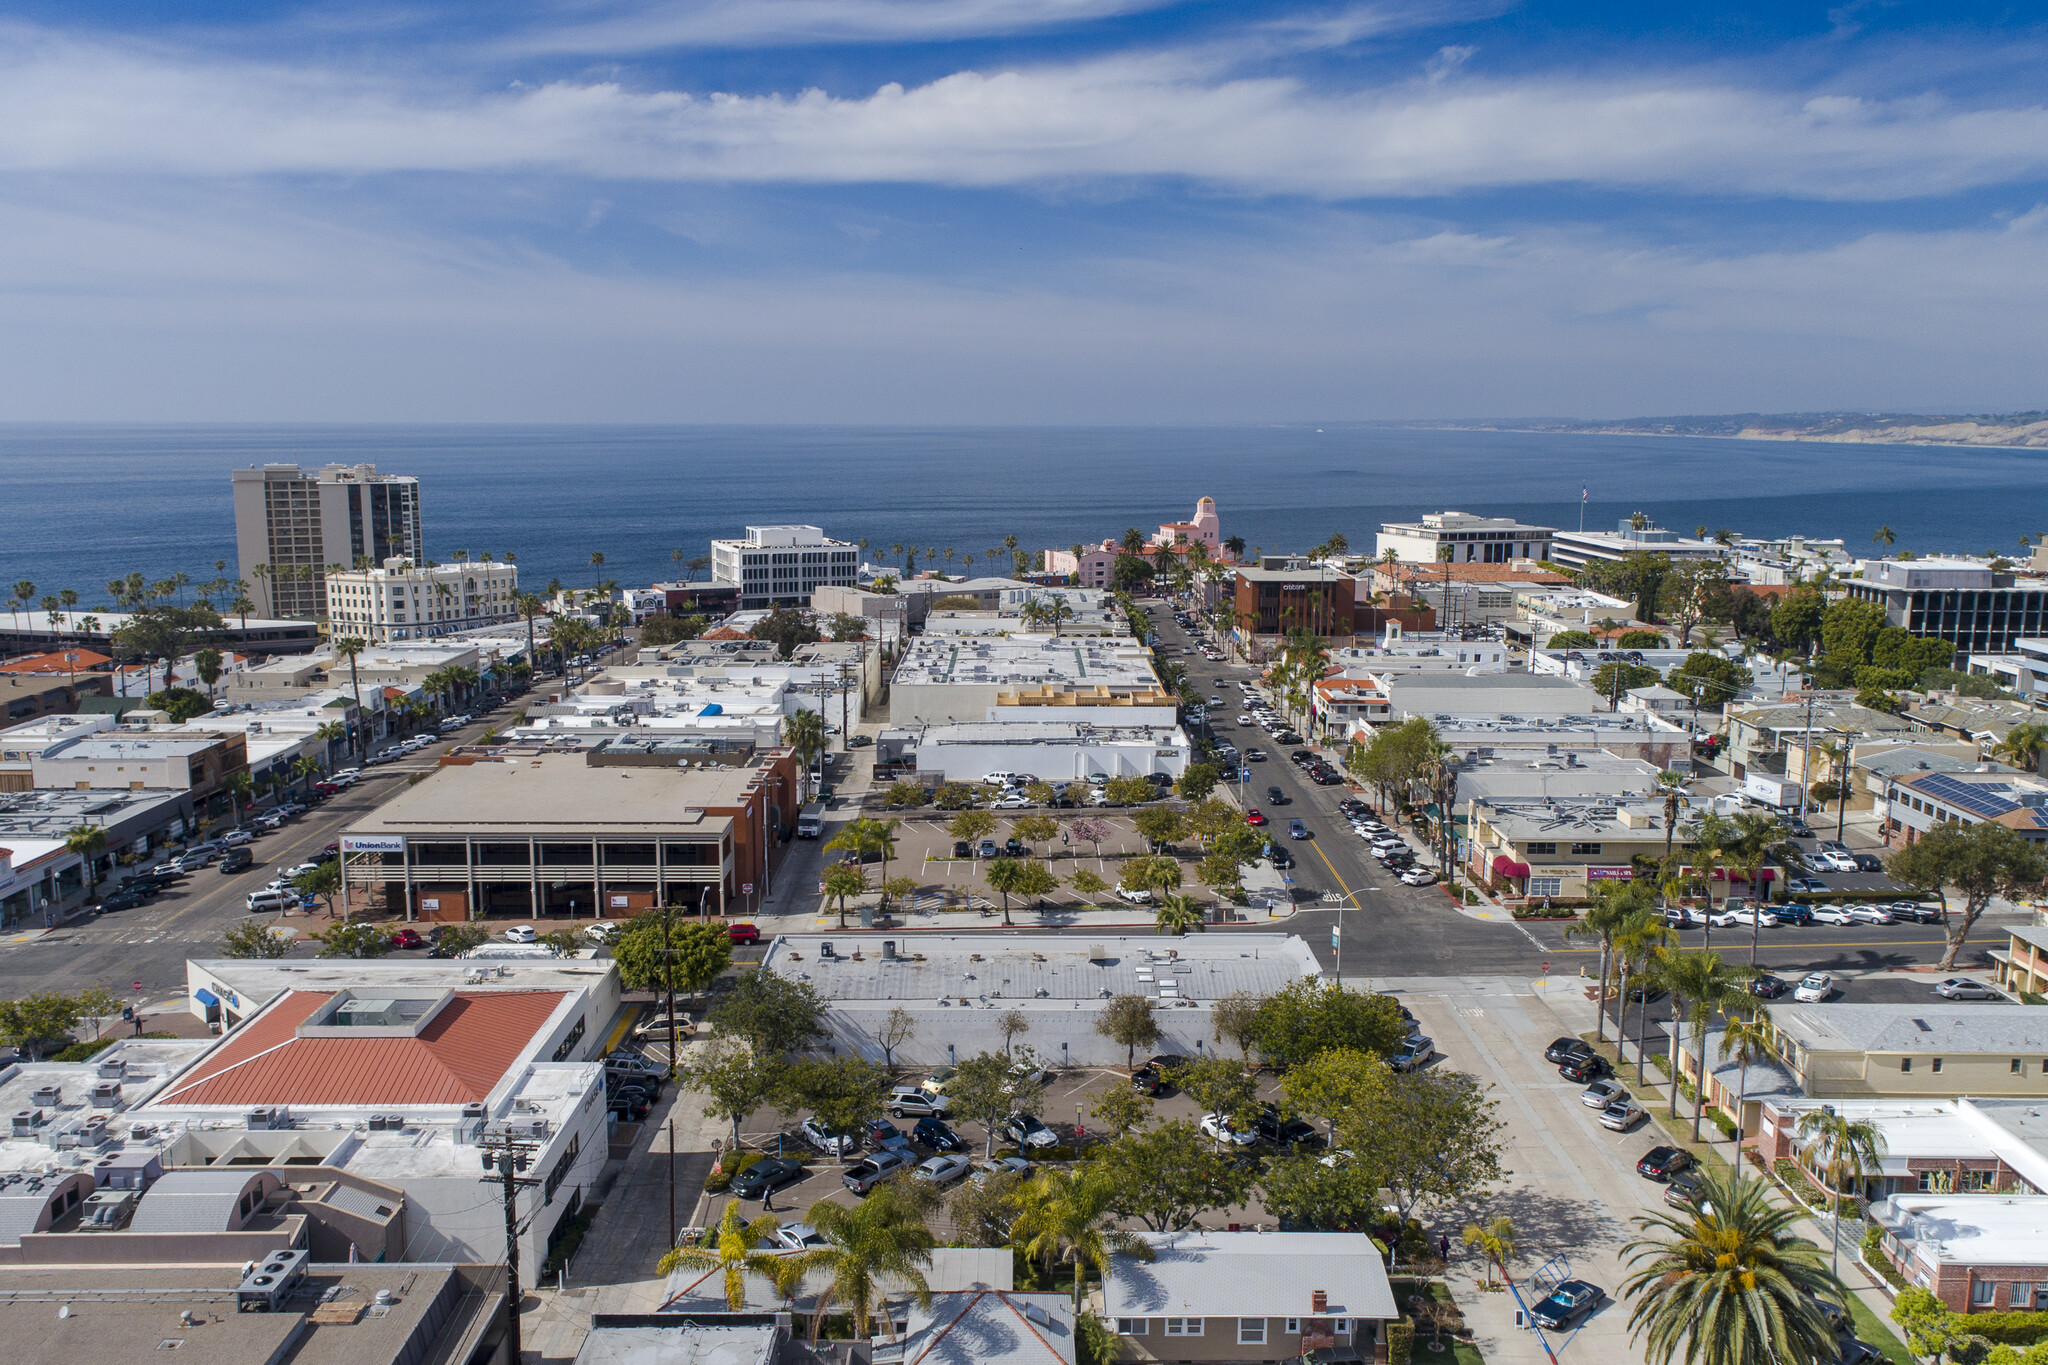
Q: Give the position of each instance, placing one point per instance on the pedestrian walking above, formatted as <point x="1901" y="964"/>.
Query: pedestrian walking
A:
<point x="1443" y="1247"/>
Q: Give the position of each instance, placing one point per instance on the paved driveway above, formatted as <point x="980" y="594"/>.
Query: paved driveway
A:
<point x="1573" y="1185"/>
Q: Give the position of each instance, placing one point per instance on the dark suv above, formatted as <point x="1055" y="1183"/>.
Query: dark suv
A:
<point x="238" y="860"/>
<point x="1562" y="1050"/>
<point x="1269" y="1127"/>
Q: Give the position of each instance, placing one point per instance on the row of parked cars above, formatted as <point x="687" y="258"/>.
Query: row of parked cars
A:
<point x="1742" y="913"/>
<point x="1387" y="846"/>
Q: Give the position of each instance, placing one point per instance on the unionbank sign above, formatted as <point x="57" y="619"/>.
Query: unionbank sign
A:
<point x="373" y="843"/>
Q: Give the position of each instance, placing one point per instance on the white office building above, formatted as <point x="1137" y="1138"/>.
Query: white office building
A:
<point x="406" y="601"/>
<point x="293" y="523"/>
<point x="783" y="565"/>
<point x="1472" y="540"/>
<point x="1577" y="549"/>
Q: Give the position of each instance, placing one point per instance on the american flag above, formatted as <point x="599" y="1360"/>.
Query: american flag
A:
<point x="1584" y="493"/>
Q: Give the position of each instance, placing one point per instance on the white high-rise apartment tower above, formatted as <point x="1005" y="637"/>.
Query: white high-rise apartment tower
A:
<point x="296" y="522"/>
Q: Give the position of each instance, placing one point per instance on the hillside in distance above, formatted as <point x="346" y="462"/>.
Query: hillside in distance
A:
<point x="2022" y="429"/>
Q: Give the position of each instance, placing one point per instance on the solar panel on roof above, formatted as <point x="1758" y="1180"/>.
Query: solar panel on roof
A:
<point x="1975" y="798"/>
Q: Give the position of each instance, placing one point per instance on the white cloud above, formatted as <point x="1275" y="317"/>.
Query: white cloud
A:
<point x="65" y="106"/>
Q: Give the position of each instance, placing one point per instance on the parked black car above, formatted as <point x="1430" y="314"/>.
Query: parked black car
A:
<point x="765" y="1177"/>
<point x="1269" y="1127"/>
<point x="238" y="860"/>
<point x="1768" y="986"/>
<point x="1570" y="1301"/>
<point x="1661" y="1163"/>
<point x="932" y="1132"/>
<point x="1563" y="1049"/>
<point x="1590" y="1067"/>
<point x="123" y="899"/>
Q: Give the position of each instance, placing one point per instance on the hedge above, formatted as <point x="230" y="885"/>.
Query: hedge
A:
<point x="1400" y="1341"/>
<point x="2014" y="1328"/>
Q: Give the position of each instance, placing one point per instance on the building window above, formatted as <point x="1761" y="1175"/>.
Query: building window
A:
<point x="1937" y="1066"/>
<point x="1546" y="886"/>
<point x="1294" y="1324"/>
<point x="2019" y="1068"/>
<point x="1183" y="1327"/>
<point x="1983" y="1293"/>
<point x="2041" y="1297"/>
<point x="1133" y="1327"/>
<point x="1538" y="850"/>
<point x="1905" y="1064"/>
<point x="1589" y="850"/>
<point x="1252" y="1331"/>
<point x="1976" y="1182"/>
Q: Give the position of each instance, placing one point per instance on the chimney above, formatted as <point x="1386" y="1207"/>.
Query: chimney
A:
<point x="1319" y="1302"/>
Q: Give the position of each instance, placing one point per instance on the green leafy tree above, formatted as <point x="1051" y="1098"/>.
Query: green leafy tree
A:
<point x="842" y="1091"/>
<point x="1120" y="1109"/>
<point x="898" y="1027"/>
<point x="355" y="940"/>
<point x="1198" y="783"/>
<point x="983" y="1210"/>
<point x="1436" y="1138"/>
<point x="984" y="1090"/>
<point x="906" y="794"/>
<point x="95" y="1003"/>
<point x="1036" y="829"/>
<point x="1128" y="1021"/>
<point x="1087" y="884"/>
<point x="786" y="628"/>
<point x="562" y="941"/>
<point x="1302" y="1191"/>
<point x="253" y="939"/>
<point x="32" y="1022"/>
<point x="323" y="881"/>
<point x="1978" y="861"/>
<point x="1346" y="1088"/>
<point x="1639" y="639"/>
<point x="457" y="939"/>
<point x="180" y="703"/>
<point x="1709" y="679"/>
<point x="1736" y="1285"/>
<point x="662" y="951"/>
<point x="1932" y="1329"/>
<point x="1220" y="1085"/>
<point x="775" y="1015"/>
<point x="1150" y="873"/>
<point x="1169" y="1176"/>
<point x="972" y="825"/>
<point x="1129" y="791"/>
<point x="1572" y="639"/>
<point x="1311" y="1016"/>
<point x="1796" y="621"/>
<point x="1160" y="824"/>
<point x="1005" y="876"/>
<point x="733" y="1081"/>
<point x="1234" y="1020"/>
<point x="1612" y="680"/>
<point x="1176" y="915"/>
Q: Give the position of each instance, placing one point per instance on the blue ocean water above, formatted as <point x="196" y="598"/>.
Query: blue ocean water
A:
<point x="93" y="503"/>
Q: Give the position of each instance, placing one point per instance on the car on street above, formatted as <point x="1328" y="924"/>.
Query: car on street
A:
<point x="1662" y="1162"/>
<point x="1622" y="1115"/>
<point x="1870" y="914"/>
<point x="1562" y="1050"/>
<point x="872" y="1170"/>
<point x="1792" y="912"/>
<point x="1254" y="755"/>
<point x="1009" y="1165"/>
<point x="1136" y="895"/>
<point x="1028" y="1133"/>
<point x="270" y="899"/>
<point x="742" y="933"/>
<point x="127" y="898"/>
<point x="1414" y="1054"/>
<point x="823" y="1137"/>
<point x="1275" y="797"/>
<point x="1214" y="1126"/>
<point x="1602" y="1093"/>
<point x="1254" y="816"/>
<point x="237" y="860"/>
<point x="631" y="1107"/>
<point x="235" y="838"/>
<point x="1831" y="914"/>
<point x="1420" y="876"/>
<point x="931" y="1131"/>
<point x="604" y="931"/>
<point x="1743" y="914"/>
<point x="1963" y="988"/>
<point x="1296" y="830"/>
<point x="1682" y="917"/>
<point x="1807" y="886"/>
<point x="908" y="1101"/>
<point x="765" y="1177"/>
<point x="943" y="1170"/>
<point x="1813" y="988"/>
<point x="407" y="938"/>
<point x="521" y="933"/>
<point x="1915" y="912"/>
<point x="1569" y="1302"/>
<point x="1680" y="1189"/>
<point x="1766" y="986"/>
<point x="1590" y="1067"/>
<point x="1269" y="1127"/>
<point x="1278" y="856"/>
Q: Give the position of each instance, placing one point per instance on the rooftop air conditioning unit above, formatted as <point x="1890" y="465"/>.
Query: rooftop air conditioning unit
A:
<point x="113" y="1071"/>
<point x="528" y="1127"/>
<point x="47" y="1097"/>
<point x="276" y="1116"/>
<point x="271" y="1281"/>
<point x="106" y="1095"/>
<point x="26" y="1121"/>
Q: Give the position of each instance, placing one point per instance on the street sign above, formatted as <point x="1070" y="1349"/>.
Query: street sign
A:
<point x="746" y="888"/>
<point x="138" y="985"/>
<point x="1333" y="935"/>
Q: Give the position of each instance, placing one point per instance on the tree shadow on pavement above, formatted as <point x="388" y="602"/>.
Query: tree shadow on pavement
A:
<point x="1545" y="1225"/>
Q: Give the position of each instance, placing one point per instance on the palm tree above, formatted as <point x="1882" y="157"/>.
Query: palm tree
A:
<point x="2022" y="745"/>
<point x="843" y="880"/>
<point x="597" y="564"/>
<point x="88" y="842"/>
<point x="1746" y="1040"/>
<point x="305" y="768"/>
<point x="882" y="1238"/>
<point x="240" y="784"/>
<point x="1846" y="1152"/>
<point x="529" y="605"/>
<point x="1062" y="1220"/>
<point x="805" y="732"/>
<point x="1701" y="986"/>
<point x="1613" y="903"/>
<point x="1005" y="876"/>
<point x="1638" y="940"/>
<point x="732" y="1254"/>
<point x="1756" y="836"/>
<point x="1178" y="914"/>
<point x="1712" y="840"/>
<point x="1496" y="1239"/>
<point x="24" y="593"/>
<point x="1884" y="537"/>
<point x="1730" y="1283"/>
<point x="1670" y="782"/>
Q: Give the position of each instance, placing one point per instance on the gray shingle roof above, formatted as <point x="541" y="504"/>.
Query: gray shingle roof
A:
<point x="990" y="1328"/>
<point x="1938" y="1026"/>
<point x="1248" y="1275"/>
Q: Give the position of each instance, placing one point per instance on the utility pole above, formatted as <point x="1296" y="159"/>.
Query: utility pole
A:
<point x="1806" y="756"/>
<point x="507" y="1156"/>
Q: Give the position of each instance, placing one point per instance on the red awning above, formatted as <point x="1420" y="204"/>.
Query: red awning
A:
<point x="1508" y="867"/>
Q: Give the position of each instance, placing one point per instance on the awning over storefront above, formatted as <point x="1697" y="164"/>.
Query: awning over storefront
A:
<point x="205" y="996"/>
<point x="1508" y="867"/>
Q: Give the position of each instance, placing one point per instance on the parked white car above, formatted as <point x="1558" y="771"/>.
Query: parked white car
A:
<point x="1831" y="914"/>
<point x="1743" y="915"/>
<point x="1213" y="1126"/>
<point x="1136" y="896"/>
<point x="521" y="933"/>
<point x="1814" y="988"/>
<point x="1870" y="914"/>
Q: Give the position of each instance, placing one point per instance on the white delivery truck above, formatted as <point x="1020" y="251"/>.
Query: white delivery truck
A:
<point x="811" y="822"/>
<point x="1770" y="791"/>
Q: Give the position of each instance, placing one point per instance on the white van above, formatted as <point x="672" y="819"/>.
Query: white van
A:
<point x="271" y="900"/>
<point x="811" y="821"/>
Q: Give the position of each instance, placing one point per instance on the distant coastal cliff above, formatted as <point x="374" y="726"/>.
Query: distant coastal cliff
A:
<point x="2027" y="429"/>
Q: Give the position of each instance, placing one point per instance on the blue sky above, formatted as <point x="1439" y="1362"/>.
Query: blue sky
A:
<point x="1018" y="210"/>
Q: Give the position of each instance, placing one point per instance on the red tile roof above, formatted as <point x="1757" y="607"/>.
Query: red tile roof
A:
<point x="83" y="661"/>
<point x="457" y="1058"/>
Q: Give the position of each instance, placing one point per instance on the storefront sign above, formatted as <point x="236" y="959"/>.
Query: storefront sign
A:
<point x="373" y="843"/>
<point x="1610" y="874"/>
<point x="619" y="902"/>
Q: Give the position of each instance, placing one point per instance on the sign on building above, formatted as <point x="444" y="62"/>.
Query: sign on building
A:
<point x="373" y="843"/>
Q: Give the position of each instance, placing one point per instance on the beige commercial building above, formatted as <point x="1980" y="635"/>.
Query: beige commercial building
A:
<point x="293" y="523"/>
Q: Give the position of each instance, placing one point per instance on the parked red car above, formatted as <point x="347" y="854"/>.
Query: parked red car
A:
<point x="325" y="789"/>
<point x="408" y="938"/>
<point x="1253" y="817"/>
<point x="743" y="933"/>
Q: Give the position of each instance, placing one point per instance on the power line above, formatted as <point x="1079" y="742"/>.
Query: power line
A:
<point x="507" y="1156"/>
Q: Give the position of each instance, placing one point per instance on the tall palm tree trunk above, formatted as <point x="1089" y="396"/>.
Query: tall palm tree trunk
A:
<point x="1600" y="1020"/>
<point x="1671" y="1054"/>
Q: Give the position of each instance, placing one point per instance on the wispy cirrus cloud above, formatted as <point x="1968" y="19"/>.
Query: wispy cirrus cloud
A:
<point x="619" y="29"/>
<point x="68" y="106"/>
